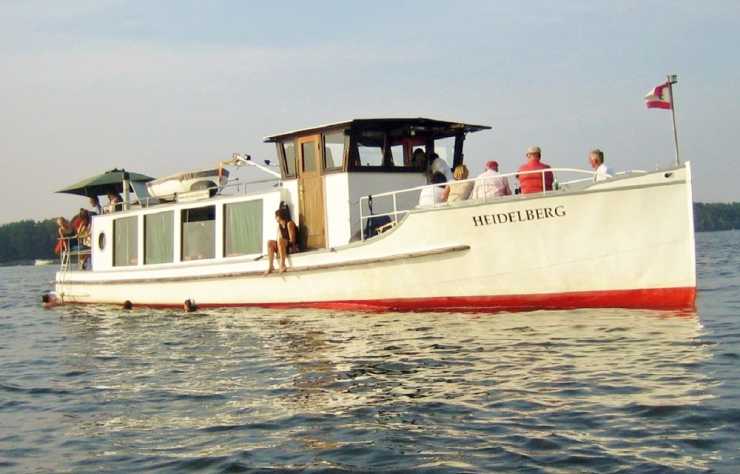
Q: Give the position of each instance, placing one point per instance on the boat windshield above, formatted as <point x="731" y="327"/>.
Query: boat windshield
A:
<point x="382" y="151"/>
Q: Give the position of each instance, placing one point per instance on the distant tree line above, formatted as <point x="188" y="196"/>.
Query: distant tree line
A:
<point x="716" y="216"/>
<point x="27" y="240"/>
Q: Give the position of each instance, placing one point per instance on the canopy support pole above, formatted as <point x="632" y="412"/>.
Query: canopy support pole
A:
<point x="126" y="196"/>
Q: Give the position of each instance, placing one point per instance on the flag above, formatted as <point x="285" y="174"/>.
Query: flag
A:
<point x="659" y="97"/>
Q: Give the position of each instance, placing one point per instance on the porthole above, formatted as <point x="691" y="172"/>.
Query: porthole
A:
<point x="101" y="240"/>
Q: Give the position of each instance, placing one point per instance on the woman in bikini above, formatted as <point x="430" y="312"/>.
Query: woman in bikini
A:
<point x="285" y="244"/>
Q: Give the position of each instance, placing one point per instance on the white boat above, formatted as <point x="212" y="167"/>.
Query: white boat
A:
<point x="40" y="262"/>
<point x="625" y="242"/>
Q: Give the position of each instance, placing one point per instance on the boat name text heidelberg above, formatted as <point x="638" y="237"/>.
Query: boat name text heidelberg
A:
<point x="519" y="216"/>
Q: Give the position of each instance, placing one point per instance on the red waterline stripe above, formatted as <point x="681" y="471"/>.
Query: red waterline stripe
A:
<point x="682" y="298"/>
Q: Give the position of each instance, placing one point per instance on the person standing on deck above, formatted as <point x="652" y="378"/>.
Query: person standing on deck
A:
<point x="97" y="209"/>
<point x="115" y="203"/>
<point x="532" y="182"/>
<point x="438" y="165"/>
<point x="596" y="158"/>
<point x="419" y="160"/>
<point x="490" y="184"/>
<point x="433" y="195"/>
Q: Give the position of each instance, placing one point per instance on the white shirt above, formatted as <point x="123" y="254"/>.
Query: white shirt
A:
<point x="602" y="173"/>
<point x="440" y="166"/>
<point x="431" y="195"/>
<point x="490" y="184"/>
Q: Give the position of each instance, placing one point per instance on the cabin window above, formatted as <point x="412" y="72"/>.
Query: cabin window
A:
<point x="367" y="152"/>
<point x="159" y="237"/>
<point x="445" y="148"/>
<point x="370" y="155"/>
<point x="243" y="228"/>
<point x="198" y="233"/>
<point x="397" y="155"/>
<point x="125" y="241"/>
<point x="289" y="159"/>
<point x="334" y="143"/>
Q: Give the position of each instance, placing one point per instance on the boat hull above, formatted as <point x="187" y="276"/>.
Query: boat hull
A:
<point x="623" y="243"/>
<point x="678" y="299"/>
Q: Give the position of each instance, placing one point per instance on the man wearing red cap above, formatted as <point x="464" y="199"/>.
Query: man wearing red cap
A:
<point x="490" y="184"/>
<point x="532" y="182"/>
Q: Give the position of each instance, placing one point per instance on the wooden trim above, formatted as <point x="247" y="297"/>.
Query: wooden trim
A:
<point x="314" y="140"/>
<point x="283" y="160"/>
<point x="299" y="155"/>
<point x="345" y="148"/>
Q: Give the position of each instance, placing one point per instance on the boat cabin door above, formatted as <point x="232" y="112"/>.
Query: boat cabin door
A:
<point x="312" y="232"/>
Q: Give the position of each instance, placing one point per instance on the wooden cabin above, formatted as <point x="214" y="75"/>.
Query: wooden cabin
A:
<point x="328" y="168"/>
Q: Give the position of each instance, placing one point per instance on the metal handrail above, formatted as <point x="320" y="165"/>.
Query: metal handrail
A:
<point x="395" y="213"/>
<point x="147" y="202"/>
<point x="67" y="253"/>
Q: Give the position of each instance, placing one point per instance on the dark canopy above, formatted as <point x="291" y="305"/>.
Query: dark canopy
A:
<point x="103" y="183"/>
<point x="434" y="129"/>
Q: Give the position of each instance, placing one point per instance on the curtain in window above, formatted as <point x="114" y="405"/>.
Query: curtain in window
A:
<point x="198" y="240"/>
<point x="243" y="228"/>
<point x="159" y="237"/>
<point x="125" y="231"/>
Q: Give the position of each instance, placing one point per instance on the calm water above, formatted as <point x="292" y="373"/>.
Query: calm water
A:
<point x="98" y="389"/>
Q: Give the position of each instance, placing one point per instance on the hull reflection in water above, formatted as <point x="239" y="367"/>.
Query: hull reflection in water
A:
<point x="587" y="389"/>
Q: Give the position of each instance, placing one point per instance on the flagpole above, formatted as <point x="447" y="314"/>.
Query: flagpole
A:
<point x="673" y="79"/>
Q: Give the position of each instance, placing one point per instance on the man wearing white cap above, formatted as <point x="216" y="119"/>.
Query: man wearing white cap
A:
<point x="490" y="184"/>
<point x="532" y="182"/>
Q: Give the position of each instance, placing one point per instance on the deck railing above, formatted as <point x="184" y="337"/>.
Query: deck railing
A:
<point x="395" y="211"/>
<point x="235" y="188"/>
<point x="74" y="253"/>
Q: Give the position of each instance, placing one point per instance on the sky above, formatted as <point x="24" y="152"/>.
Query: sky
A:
<point x="168" y="86"/>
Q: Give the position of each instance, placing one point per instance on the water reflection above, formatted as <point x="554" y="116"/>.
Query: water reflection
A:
<point x="610" y="385"/>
